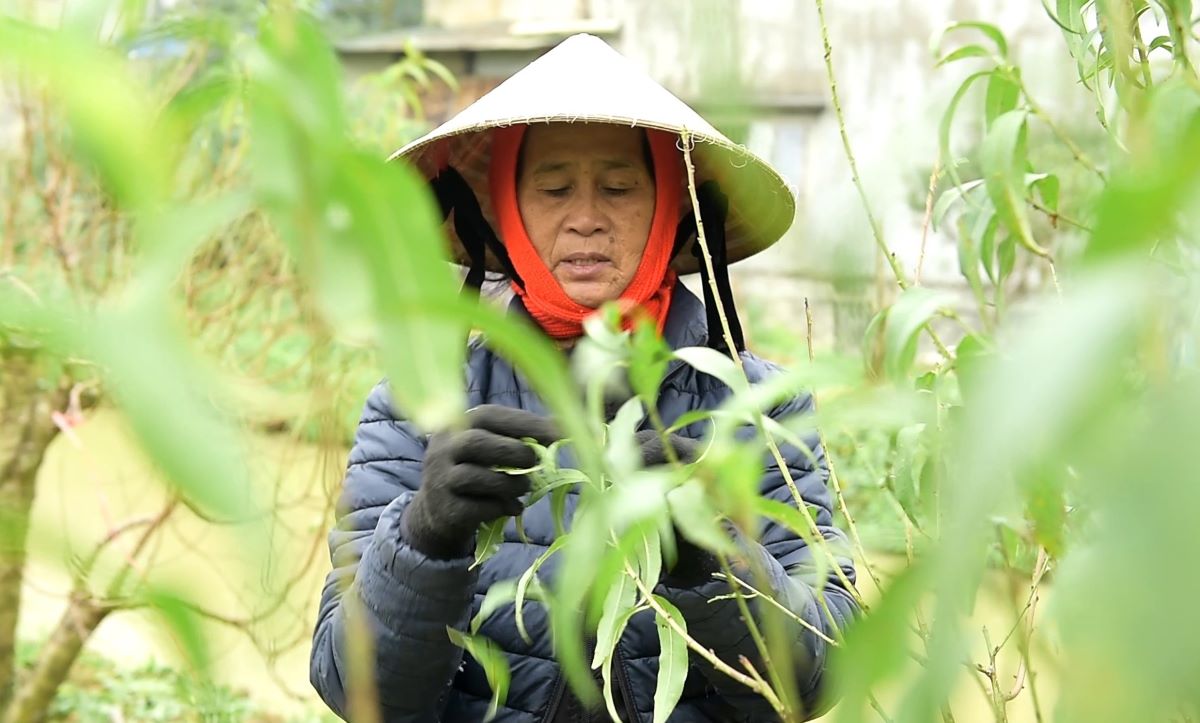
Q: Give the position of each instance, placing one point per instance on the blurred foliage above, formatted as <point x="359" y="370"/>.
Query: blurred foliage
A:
<point x="183" y="227"/>
<point x="100" y="691"/>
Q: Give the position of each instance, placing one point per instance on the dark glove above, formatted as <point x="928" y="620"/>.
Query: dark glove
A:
<point x="693" y="565"/>
<point x="654" y="449"/>
<point x="460" y="490"/>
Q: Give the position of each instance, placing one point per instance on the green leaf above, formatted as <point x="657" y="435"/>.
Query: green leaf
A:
<point x="558" y="509"/>
<point x="947" y="122"/>
<point x="148" y="365"/>
<point x="1064" y="17"/>
<point x="623" y="455"/>
<point x="185" y="624"/>
<point x="1046" y="505"/>
<point x="877" y="647"/>
<point x="1047" y="187"/>
<point x="714" y="364"/>
<point x="529" y="579"/>
<point x="649" y="557"/>
<point x="966" y="51"/>
<point x="1141" y="203"/>
<point x="968" y="261"/>
<point x="491" y="658"/>
<point x="697" y="520"/>
<point x="905" y="319"/>
<point x="1002" y="93"/>
<point x="985" y="230"/>
<point x="787" y="516"/>
<point x="1002" y="158"/>
<point x="991" y="31"/>
<point x="407" y="257"/>
<point x="618" y="605"/>
<point x="488" y="539"/>
<point x="689" y="418"/>
<point x="672" y="661"/>
<point x="1006" y="258"/>
<point x="606" y="665"/>
<point x="969" y="354"/>
<point x="951" y="196"/>
<point x="498" y="595"/>
<point x="649" y="356"/>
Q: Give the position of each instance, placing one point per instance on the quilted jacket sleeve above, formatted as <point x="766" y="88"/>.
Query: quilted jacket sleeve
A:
<point x="825" y="604"/>
<point x="406" y="599"/>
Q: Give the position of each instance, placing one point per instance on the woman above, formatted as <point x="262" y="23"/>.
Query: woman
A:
<point x="576" y="162"/>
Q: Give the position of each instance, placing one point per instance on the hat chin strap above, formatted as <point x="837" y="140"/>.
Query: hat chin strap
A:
<point x="714" y="210"/>
<point x="477" y="236"/>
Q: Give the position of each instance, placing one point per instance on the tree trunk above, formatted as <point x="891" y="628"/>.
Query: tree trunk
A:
<point x="37" y="690"/>
<point x="26" y="430"/>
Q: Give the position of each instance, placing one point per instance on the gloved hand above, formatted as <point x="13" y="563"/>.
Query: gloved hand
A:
<point x="460" y="490"/>
<point x="693" y="565"/>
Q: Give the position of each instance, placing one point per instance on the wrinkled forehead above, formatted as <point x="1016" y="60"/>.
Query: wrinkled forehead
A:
<point x="562" y="147"/>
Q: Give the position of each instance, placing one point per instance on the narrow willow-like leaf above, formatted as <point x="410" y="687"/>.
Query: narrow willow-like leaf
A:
<point x="498" y="595"/>
<point x="950" y="197"/>
<point x="606" y="664"/>
<point x="912" y="310"/>
<point x="1002" y="157"/>
<point x="491" y="659"/>
<point x="622" y="452"/>
<point x="697" y="520"/>
<point x="648" y="359"/>
<point x="1002" y="94"/>
<point x="672" y="661"/>
<point x="185" y="624"/>
<point x="715" y="364"/>
<point x="617" y="606"/>
<point x="966" y="51"/>
<point x="488" y="539"/>
<point x="947" y="122"/>
<point x="529" y="581"/>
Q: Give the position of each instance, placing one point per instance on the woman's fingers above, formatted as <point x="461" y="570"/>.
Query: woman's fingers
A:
<point x="514" y="423"/>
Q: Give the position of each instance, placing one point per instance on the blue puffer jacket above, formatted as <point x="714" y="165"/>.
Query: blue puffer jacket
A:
<point x="409" y="599"/>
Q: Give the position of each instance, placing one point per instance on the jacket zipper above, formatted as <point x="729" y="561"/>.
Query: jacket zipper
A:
<point x="555" y="699"/>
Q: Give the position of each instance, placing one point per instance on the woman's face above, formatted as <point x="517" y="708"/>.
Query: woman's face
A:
<point x="586" y="198"/>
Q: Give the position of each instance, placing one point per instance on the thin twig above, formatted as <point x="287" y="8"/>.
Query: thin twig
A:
<point x="933" y="181"/>
<point x="782" y="608"/>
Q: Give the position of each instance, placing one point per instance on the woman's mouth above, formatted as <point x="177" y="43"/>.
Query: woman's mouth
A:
<point x="583" y="266"/>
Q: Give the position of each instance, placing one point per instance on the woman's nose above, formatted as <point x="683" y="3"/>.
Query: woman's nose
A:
<point x="585" y="217"/>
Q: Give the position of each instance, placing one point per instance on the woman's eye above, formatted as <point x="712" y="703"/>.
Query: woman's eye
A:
<point x="556" y="192"/>
<point x="613" y="191"/>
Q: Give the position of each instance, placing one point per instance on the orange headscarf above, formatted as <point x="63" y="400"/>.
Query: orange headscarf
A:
<point x="649" y="291"/>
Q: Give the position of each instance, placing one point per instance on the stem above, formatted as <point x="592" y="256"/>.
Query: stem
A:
<point x="783" y="609"/>
<point x="26" y="431"/>
<point x="77" y="624"/>
<point x="933" y="180"/>
<point x="1081" y="157"/>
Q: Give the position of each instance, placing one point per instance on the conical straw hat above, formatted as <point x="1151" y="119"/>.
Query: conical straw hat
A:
<point x="584" y="80"/>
